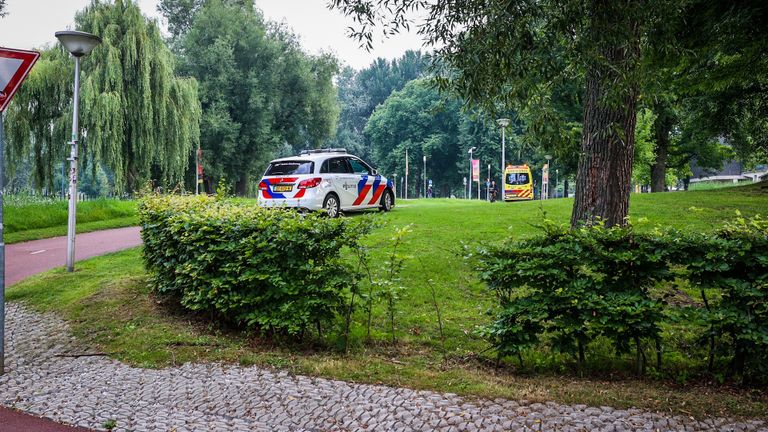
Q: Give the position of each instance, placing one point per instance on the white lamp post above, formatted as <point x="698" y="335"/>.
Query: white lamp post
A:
<point x="503" y="123"/>
<point x="425" y="176"/>
<point x="545" y="180"/>
<point x="78" y="44"/>
<point x="405" y="190"/>
<point x="469" y="195"/>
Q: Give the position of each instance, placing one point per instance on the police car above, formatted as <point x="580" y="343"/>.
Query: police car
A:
<point x="330" y="179"/>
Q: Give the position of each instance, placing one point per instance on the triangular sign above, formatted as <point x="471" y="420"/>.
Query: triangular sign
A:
<point x="14" y="67"/>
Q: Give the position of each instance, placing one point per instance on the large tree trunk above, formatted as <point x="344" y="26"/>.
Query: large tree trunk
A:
<point x="603" y="179"/>
<point x="662" y="126"/>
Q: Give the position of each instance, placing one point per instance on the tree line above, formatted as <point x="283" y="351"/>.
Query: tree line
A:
<point x="697" y="64"/>
<point x="226" y="81"/>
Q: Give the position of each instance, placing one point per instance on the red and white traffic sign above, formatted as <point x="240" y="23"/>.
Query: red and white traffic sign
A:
<point x="14" y="66"/>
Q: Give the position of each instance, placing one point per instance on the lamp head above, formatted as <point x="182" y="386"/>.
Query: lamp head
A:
<point x="503" y="122"/>
<point x="78" y="43"/>
<point x="547" y="157"/>
<point x="472" y="149"/>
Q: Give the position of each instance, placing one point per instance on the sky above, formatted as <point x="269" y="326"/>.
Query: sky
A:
<point x="31" y="24"/>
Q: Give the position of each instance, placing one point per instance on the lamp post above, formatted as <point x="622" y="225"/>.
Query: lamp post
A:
<point x="78" y="44"/>
<point x="405" y="190"/>
<point x="425" y="175"/>
<point x="503" y="123"/>
<point x="396" y="187"/>
<point x="557" y="182"/>
<point x="545" y="178"/>
<point x="469" y="195"/>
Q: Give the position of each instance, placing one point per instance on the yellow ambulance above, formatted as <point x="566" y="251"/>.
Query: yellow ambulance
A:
<point x="518" y="183"/>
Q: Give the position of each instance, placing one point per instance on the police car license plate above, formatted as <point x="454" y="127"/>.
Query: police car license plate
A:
<point x="283" y="188"/>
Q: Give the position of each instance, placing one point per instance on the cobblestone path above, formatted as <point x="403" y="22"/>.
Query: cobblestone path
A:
<point x="89" y="391"/>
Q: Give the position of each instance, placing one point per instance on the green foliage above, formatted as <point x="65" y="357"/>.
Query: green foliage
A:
<point x="276" y="271"/>
<point x="360" y="92"/>
<point x="575" y="286"/>
<point x="260" y="93"/>
<point x="572" y="288"/>
<point x="139" y="119"/>
<point x="734" y="262"/>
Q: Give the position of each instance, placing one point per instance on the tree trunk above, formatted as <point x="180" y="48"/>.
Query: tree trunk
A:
<point x="662" y="126"/>
<point x="603" y="179"/>
<point x="565" y="188"/>
<point x="241" y="186"/>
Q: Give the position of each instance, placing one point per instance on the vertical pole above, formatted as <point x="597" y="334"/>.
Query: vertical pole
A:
<point x="197" y="170"/>
<point x="488" y="188"/>
<point x="469" y="195"/>
<point x="406" y="173"/>
<point x="2" y="248"/>
<point x="425" y="176"/>
<point x="73" y="173"/>
<point x="503" y="164"/>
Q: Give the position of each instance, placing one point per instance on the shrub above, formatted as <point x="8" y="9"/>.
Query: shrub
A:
<point x="734" y="262"/>
<point x="573" y="286"/>
<point x="266" y="269"/>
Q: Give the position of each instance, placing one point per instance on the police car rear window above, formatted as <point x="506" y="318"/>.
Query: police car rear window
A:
<point x="290" y="168"/>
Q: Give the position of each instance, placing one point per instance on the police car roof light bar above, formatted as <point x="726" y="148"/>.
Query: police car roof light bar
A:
<point x="330" y="150"/>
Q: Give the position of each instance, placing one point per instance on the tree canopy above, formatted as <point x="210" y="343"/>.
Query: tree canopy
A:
<point x="138" y="118"/>
<point x="261" y="95"/>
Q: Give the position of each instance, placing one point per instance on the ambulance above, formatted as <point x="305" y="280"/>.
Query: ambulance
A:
<point x="518" y="183"/>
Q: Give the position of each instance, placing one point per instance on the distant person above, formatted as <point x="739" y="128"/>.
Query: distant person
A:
<point x="494" y="193"/>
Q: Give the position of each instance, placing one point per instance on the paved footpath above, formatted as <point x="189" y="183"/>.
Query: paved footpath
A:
<point x="47" y="377"/>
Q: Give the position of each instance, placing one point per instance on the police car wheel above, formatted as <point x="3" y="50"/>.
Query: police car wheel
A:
<point x="331" y="205"/>
<point x="385" y="204"/>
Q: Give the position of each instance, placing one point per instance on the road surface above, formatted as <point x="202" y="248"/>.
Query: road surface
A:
<point x="33" y="257"/>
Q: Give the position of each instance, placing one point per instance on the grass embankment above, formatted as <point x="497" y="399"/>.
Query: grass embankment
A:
<point x="38" y="220"/>
<point x="109" y="304"/>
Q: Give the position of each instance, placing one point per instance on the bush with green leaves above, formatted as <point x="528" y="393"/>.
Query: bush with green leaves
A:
<point x="576" y="285"/>
<point x="567" y="288"/>
<point x="732" y="264"/>
<point x="266" y="269"/>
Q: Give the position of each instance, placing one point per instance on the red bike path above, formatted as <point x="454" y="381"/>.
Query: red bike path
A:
<point x="29" y="258"/>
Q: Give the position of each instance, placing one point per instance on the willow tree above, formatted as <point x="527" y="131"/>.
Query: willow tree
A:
<point x="138" y="118"/>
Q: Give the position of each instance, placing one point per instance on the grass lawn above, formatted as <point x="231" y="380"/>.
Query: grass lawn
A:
<point x="109" y="304"/>
<point x="32" y="221"/>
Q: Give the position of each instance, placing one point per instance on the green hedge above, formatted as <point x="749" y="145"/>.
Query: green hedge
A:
<point x="265" y="269"/>
<point x="568" y="289"/>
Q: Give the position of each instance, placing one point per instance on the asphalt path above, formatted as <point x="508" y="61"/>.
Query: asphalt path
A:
<point x="33" y="257"/>
<point x="29" y="258"/>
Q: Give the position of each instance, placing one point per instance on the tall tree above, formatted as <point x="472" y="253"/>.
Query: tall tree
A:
<point x="360" y="92"/>
<point x="515" y="51"/>
<point x="260" y="93"/>
<point x="138" y="118"/>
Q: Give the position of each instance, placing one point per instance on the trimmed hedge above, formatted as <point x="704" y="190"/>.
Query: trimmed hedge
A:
<point x="265" y="269"/>
<point x="569" y="288"/>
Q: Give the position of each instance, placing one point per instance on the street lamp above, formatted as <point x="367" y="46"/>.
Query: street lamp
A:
<point x="425" y="176"/>
<point x="503" y="123"/>
<point x="470" y="171"/>
<point x="78" y="44"/>
<point x="545" y="178"/>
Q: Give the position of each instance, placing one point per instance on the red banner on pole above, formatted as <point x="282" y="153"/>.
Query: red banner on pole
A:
<point x="475" y="170"/>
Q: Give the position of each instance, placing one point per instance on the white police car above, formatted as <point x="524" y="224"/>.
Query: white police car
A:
<point x="329" y="179"/>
